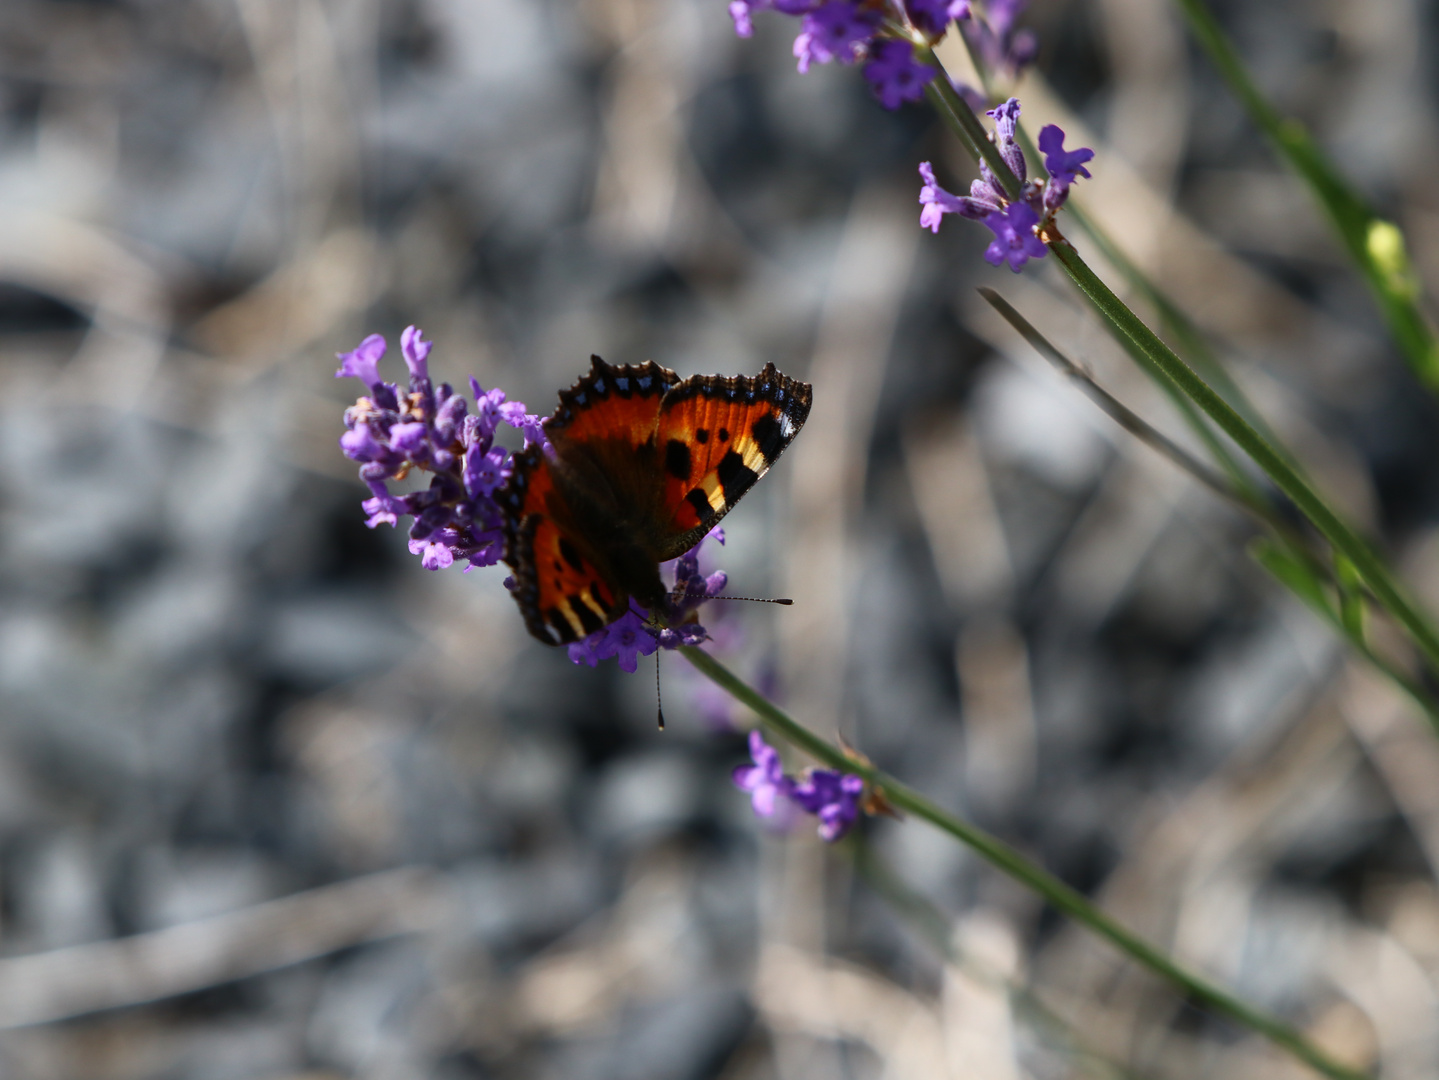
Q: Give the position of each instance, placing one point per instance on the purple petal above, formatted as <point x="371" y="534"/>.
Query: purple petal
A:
<point x="363" y="362"/>
<point x="416" y="352"/>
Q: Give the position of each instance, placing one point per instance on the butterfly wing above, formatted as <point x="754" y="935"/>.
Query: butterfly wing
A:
<point x="716" y="437"/>
<point x="561" y="590"/>
<point x="564" y="583"/>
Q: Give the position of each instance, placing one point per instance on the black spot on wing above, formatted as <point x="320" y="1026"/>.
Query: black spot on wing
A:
<point x="735" y="476"/>
<point x="677" y="459"/>
<point x="768" y="436"/>
<point x="724" y="434"/>
<point x="571" y="556"/>
<point x="700" y="501"/>
<point x="702" y="436"/>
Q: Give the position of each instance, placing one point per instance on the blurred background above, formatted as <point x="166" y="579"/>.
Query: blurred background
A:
<point x="277" y="803"/>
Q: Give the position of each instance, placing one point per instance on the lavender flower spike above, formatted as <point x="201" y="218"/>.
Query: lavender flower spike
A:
<point x="1006" y="126"/>
<point x="895" y="75"/>
<point x="428" y="428"/>
<point x="833" y="31"/>
<point x="765" y="779"/>
<point x="831" y="796"/>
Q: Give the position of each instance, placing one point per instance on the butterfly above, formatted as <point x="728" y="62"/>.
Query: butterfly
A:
<point x="643" y="464"/>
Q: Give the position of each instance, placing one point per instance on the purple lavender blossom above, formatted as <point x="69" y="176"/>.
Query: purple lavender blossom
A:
<point x="428" y="427"/>
<point x="894" y="75"/>
<point x="1016" y="223"/>
<point x="937" y="202"/>
<point x="1063" y="166"/>
<point x="834" y="31"/>
<point x="1014" y="239"/>
<point x="416" y="351"/>
<point x="742" y="12"/>
<point x="831" y="796"/>
<point x="934" y="16"/>
<point x="627" y="639"/>
<point x="765" y="779"/>
<point x="637" y="632"/>
<point x="1006" y="126"/>
<point x="363" y="363"/>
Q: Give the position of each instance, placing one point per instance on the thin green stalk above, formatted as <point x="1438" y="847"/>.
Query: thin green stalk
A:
<point x="1191" y="340"/>
<point x="1161" y="361"/>
<point x="999" y="854"/>
<point x="1247" y="498"/>
<point x="1155" y="356"/>
<point x="1124" y="324"/>
<point x="1290" y="558"/>
<point x="1296" y="573"/>
<point x="1375" y="245"/>
<point x="960" y="119"/>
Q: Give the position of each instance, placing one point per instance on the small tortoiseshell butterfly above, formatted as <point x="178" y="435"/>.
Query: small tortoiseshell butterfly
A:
<point x="644" y="464"/>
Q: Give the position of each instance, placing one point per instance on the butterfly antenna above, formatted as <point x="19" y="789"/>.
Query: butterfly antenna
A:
<point x="757" y="599"/>
<point x="659" y="705"/>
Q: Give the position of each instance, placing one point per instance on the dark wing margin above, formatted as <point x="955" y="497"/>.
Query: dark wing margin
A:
<point x="717" y="436"/>
<point x="612" y="402"/>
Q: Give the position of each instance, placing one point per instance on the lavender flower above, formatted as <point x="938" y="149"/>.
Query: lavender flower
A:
<point x="428" y="427"/>
<point x="850" y="30"/>
<point x="626" y="639"/>
<point x="934" y="16"/>
<point x="937" y="202"/>
<point x="1017" y="224"/>
<point x="895" y="75"/>
<point x="1014" y="240"/>
<point x="835" y="31"/>
<point x="831" y="796"/>
<point x="639" y="632"/>
<point x="765" y="779"/>
<point x="1063" y="166"/>
<point x="1006" y="127"/>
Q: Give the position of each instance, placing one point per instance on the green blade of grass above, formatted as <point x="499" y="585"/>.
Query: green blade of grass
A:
<point x="1375" y="245"/>
<point x="1289" y="558"/>
<point x="1062" y="897"/>
<point x="1155" y="356"/>
<point x="1128" y="327"/>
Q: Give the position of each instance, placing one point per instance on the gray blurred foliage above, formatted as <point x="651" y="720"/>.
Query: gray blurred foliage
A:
<point x="276" y="803"/>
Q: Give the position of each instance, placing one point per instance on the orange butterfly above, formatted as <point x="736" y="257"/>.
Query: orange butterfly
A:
<point x="643" y="465"/>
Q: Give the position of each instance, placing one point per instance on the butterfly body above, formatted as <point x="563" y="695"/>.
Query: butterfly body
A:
<point x="643" y="465"/>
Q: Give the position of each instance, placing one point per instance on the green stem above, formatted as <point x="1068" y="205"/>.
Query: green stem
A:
<point x="1125" y="324"/>
<point x="1001" y="855"/>
<point x="1375" y="245"/>
<point x="1291" y="559"/>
